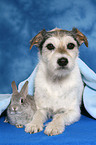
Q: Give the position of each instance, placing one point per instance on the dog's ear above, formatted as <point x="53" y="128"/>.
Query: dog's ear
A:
<point x="38" y="38"/>
<point x="81" y="38"/>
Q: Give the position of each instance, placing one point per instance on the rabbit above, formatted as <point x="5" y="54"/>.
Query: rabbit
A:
<point x="21" y="108"/>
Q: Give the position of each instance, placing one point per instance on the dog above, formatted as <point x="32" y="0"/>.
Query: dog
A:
<point x="58" y="83"/>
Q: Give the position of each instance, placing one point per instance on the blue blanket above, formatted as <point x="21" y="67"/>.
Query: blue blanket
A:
<point x="82" y="132"/>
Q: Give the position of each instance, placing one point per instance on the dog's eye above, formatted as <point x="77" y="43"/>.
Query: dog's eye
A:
<point x="70" y="46"/>
<point x="50" y="46"/>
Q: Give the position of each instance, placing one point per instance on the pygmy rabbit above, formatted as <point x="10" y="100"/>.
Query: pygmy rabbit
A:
<point x="22" y="107"/>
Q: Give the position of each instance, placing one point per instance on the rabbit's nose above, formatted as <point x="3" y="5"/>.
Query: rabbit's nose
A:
<point x="14" y="108"/>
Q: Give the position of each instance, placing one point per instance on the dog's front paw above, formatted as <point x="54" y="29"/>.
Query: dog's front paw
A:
<point x="33" y="127"/>
<point x="54" y="129"/>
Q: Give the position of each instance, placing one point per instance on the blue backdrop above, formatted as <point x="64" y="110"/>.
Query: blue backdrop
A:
<point x="20" y="20"/>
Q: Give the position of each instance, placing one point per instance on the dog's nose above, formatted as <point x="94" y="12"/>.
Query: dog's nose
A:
<point x="62" y="61"/>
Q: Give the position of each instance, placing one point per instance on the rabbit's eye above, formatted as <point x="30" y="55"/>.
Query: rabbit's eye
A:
<point x="22" y="101"/>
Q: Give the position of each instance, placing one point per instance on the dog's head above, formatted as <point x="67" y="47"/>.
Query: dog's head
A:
<point x="59" y="49"/>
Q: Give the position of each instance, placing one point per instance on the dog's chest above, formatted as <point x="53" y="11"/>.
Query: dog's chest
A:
<point x="56" y="90"/>
<point x="54" y="95"/>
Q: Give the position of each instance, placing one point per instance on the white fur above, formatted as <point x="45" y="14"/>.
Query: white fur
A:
<point x="58" y="91"/>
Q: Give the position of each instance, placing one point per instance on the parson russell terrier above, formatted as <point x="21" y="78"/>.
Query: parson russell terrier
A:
<point x="58" y="83"/>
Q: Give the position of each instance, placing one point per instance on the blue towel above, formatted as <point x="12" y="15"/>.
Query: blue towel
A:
<point x="89" y="95"/>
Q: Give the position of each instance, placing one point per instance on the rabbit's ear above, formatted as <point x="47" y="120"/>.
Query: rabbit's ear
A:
<point x="24" y="90"/>
<point x="14" y="87"/>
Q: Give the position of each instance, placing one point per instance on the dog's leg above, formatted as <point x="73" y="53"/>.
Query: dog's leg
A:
<point x="59" y="121"/>
<point x="36" y="125"/>
<point x="56" y="126"/>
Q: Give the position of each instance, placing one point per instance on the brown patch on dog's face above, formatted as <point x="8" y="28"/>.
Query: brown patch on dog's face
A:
<point x="62" y="50"/>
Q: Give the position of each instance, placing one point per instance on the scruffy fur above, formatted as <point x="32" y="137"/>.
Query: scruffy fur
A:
<point x="21" y="108"/>
<point x="58" y="87"/>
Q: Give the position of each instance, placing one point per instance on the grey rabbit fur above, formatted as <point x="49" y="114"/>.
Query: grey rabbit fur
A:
<point x="22" y="107"/>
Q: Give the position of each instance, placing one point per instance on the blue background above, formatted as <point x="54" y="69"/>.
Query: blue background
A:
<point x="20" y="20"/>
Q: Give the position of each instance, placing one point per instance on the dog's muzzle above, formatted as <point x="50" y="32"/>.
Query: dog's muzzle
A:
<point x="62" y="61"/>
